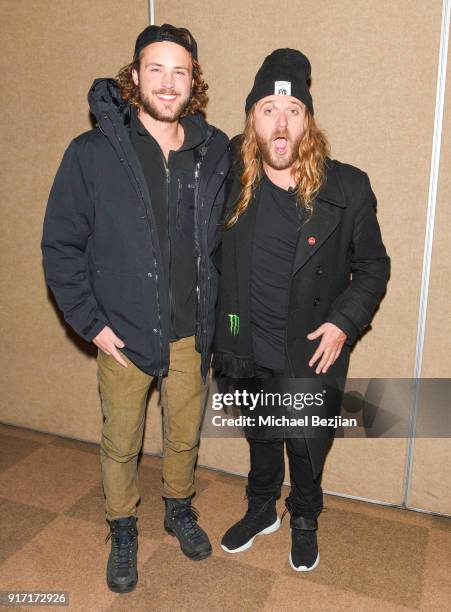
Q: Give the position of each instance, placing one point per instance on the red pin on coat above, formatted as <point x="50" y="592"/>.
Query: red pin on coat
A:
<point x="311" y="240"/>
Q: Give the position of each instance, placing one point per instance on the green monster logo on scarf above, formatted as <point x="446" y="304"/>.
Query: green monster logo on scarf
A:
<point x="234" y="321"/>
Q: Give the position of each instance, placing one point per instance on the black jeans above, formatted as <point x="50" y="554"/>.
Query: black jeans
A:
<point x="268" y="465"/>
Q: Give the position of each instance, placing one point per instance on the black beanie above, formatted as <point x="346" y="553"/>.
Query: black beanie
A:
<point x="155" y="33"/>
<point x="284" y="72"/>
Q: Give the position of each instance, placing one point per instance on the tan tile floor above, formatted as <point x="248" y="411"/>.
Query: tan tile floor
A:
<point x="53" y="537"/>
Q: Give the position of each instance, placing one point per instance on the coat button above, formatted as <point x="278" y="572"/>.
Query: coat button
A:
<point x="149" y="274"/>
<point x="319" y="270"/>
<point x="155" y="330"/>
<point x="316" y="301"/>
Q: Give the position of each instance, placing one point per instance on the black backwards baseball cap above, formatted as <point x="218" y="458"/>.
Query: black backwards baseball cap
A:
<point x="283" y="72"/>
<point x="168" y="32"/>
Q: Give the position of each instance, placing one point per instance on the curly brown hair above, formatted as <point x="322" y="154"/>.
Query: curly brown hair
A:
<point x="130" y="92"/>
<point x="308" y="171"/>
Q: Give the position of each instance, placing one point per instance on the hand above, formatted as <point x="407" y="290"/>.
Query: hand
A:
<point x="329" y="348"/>
<point x="107" y="341"/>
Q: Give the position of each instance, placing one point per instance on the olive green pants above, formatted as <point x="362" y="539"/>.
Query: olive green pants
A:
<point x="123" y="394"/>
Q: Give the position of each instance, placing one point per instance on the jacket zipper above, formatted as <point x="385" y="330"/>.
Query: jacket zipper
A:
<point x="179" y="199"/>
<point x="197" y="246"/>
<point x="171" y="305"/>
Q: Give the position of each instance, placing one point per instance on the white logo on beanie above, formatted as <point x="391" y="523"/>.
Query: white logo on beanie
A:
<point x="282" y="88"/>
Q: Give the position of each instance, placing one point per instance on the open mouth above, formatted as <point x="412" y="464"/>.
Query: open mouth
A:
<point x="280" y="145"/>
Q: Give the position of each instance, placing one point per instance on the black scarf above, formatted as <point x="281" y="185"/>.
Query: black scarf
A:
<point x="233" y="355"/>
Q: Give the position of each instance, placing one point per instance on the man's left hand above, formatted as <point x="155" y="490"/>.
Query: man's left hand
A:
<point x="329" y="348"/>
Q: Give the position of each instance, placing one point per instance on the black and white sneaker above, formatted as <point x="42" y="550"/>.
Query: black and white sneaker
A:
<point x="304" y="555"/>
<point x="260" y="519"/>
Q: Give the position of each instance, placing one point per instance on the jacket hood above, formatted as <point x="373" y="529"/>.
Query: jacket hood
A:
<point x="104" y="96"/>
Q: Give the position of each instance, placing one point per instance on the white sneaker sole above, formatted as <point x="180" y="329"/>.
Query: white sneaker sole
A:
<point x="303" y="568"/>
<point x="271" y="529"/>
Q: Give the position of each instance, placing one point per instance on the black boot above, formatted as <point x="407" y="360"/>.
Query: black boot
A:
<point x="260" y="519"/>
<point x="180" y="520"/>
<point x="121" y="573"/>
<point x="304" y="555"/>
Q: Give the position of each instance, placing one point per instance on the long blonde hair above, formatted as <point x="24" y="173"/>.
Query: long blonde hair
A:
<point x="308" y="172"/>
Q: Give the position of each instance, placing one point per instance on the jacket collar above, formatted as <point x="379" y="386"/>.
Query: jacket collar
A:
<point x="332" y="191"/>
<point x="195" y="133"/>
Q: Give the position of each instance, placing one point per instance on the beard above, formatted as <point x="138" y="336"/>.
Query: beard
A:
<point x="170" y="112"/>
<point x="273" y="159"/>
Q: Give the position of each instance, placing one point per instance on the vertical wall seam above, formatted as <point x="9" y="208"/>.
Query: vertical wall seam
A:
<point x="428" y="241"/>
<point x="151" y="11"/>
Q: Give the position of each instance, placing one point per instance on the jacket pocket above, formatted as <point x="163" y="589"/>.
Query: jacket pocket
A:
<point x="121" y="295"/>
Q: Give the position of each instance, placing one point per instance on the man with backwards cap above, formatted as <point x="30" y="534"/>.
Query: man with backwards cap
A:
<point x="298" y="225"/>
<point x="130" y="227"/>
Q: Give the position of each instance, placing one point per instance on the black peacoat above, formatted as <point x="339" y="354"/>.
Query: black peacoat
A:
<point x="339" y="275"/>
<point x="340" y="269"/>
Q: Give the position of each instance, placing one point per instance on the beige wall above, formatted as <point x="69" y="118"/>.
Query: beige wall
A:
<point x="374" y="83"/>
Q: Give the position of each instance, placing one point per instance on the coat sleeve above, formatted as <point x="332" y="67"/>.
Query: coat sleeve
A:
<point x="228" y="203"/>
<point x="353" y="310"/>
<point x="221" y="201"/>
<point x="68" y="223"/>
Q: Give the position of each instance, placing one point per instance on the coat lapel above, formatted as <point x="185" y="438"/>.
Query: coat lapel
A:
<point x="327" y="213"/>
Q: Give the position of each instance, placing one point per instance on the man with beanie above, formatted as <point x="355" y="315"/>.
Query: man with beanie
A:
<point x="130" y="227"/>
<point x="303" y="269"/>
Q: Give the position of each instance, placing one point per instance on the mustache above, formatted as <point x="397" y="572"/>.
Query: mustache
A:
<point x="166" y="92"/>
<point x="280" y="134"/>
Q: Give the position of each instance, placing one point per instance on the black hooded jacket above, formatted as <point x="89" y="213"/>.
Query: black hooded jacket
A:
<point x="102" y="256"/>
